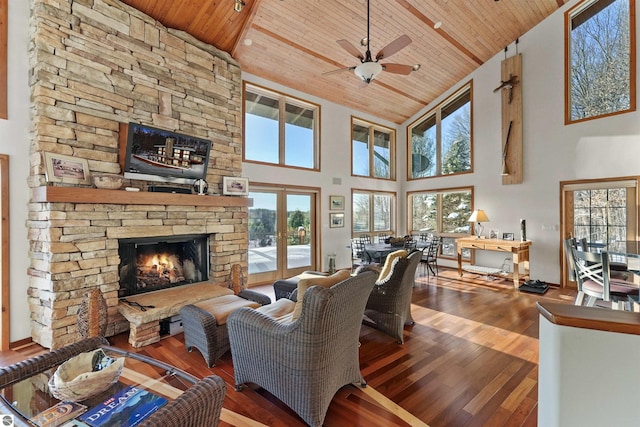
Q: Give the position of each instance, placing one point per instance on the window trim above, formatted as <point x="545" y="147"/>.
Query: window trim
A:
<point x="4" y="24"/>
<point x="568" y="17"/>
<point x="437" y="111"/>
<point x="282" y="98"/>
<point x="393" y="211"/>
<point x="5" y="279"/>
<point x="392" y="149"/>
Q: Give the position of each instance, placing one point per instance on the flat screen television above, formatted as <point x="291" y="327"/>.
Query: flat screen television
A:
<point x="159" y="155"/>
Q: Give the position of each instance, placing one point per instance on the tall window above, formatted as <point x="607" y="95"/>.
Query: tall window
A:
<point x="373" y="212"/>
<point x="600" y="59"/>
<point x="373" y="150"/>
<point x="441" y="212"/>
<point x="440" y="141"/>
<point x="279" y="129"/>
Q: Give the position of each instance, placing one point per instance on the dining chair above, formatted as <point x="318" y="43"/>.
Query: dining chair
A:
<point x="365" y="238"/>
<point x="430" y="255"/>
<point x="358" y="254"/>
<point x="593" y="276"/>
<point x="617" y="263"/>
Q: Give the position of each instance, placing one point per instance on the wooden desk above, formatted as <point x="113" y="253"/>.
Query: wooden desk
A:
<point x="519" y="253"/>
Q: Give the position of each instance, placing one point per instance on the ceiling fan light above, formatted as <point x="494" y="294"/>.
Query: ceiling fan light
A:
<point x="368" y="71"/>
<point x="416" y="67"/>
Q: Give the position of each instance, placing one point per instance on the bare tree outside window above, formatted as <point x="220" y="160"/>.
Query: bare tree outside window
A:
<point x="600" y="58"/>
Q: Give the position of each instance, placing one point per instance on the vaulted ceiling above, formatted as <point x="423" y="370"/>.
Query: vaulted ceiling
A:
<point x="293" y="42"/>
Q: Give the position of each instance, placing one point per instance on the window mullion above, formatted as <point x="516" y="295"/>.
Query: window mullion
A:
<point x="372" y="172"/>
<point x="281" y="130"/>
<point x="439" y="142"/>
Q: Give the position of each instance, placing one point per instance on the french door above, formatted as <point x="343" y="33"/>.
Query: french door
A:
<point x="600" y="211"/>
<point x="282" y="233"/>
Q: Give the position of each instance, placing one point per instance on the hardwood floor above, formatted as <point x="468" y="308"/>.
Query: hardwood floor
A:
<point x="470" y="360"/>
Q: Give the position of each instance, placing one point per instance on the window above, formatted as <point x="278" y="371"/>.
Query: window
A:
<point x="373" y="212"/>
<point x="441" y="212"/>
<point x="440" y="141"/>
<point x="600" y="59"/>
<point x="279" y="129"/>
<point x="373" y="150"/>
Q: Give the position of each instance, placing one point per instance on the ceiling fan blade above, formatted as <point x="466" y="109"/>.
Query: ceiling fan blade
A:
<point x="351" y="49"/>
<point x="393" y="47"/>
<point x="338" y="70"/>
<point x="397" y="68"/>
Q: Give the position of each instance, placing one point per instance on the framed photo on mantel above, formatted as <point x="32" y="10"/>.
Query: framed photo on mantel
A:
<point x="66" y="169"/>
<point x="232" y="186"/>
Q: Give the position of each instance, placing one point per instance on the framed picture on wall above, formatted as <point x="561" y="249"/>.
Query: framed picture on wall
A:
<point x="66" y="169"/>
<point x="336" y="203"/>
<point x="233" y="186"/>
<point x="336" y="220"/>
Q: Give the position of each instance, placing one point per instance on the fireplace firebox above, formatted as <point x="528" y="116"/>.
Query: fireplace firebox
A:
<point x="153" y="263"/>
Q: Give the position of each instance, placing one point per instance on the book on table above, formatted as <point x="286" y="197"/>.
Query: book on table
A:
<point x="58" y="414"/>
<point x="127" y="408"/>
<point x="75" y="423"/>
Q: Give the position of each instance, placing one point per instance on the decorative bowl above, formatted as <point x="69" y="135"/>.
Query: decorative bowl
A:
<point x="107" y="181"/>
<point x="85" y="375"/>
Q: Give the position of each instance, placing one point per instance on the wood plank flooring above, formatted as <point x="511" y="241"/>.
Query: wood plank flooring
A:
<point x="470" y="360"/>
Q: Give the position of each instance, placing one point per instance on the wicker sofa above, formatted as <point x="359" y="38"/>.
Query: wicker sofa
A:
<point x="199" y="406"/>
<point x="303" y="362"/>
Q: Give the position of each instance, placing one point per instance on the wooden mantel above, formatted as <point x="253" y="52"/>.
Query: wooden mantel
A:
<point x="53" y="194"/>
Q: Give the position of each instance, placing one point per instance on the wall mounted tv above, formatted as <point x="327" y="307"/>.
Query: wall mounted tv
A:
<point x="159" y="155"/>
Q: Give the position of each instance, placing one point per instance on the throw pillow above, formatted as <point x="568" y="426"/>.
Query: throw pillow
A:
<point x="388" y="263"/>
<point x="324" y="281"/>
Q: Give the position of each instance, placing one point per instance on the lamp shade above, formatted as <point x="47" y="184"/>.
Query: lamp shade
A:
<point x="478" y="216"/>
<point x="368" y="71"/>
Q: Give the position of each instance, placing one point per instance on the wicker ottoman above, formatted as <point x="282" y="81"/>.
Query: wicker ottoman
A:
<point x="205" y="323"/>
<point x="283" y="288"/>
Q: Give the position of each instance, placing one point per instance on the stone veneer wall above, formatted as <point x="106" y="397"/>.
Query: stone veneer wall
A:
<point x="93" y="65"/>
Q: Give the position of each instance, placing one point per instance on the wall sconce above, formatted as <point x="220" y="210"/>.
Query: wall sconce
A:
<point x="238" y="5"/>
<point x="478" y="216"/>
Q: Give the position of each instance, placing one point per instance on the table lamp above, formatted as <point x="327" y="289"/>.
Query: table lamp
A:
<point x="478" y="216"/>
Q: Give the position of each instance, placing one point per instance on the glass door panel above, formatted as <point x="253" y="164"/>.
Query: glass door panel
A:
<point x="299" y="231"/>
<point x="281" y="234"/>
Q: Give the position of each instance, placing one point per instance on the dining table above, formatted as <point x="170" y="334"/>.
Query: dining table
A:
<point x="377" y="252"/>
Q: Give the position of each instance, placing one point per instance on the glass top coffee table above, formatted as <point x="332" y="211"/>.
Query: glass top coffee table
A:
<point x="25" y="392"/>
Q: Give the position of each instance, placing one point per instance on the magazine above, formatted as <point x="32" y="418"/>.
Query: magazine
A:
<point x="127" y="408"/>
<point x="58" y="414"/>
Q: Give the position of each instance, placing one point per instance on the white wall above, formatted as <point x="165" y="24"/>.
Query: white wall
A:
<point x="553" y="152"/>
<point x="14" y="141"/>
<point x="579" y="369"/>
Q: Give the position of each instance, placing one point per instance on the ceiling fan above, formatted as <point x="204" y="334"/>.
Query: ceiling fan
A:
<point x="369" y="68"/>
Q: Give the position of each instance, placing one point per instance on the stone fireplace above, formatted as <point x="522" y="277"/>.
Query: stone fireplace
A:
<point x="94" y="66"/>
<point x="153" y="263"/>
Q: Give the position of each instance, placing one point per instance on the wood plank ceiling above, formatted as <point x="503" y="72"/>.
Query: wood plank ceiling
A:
<point x="293" y="42"/>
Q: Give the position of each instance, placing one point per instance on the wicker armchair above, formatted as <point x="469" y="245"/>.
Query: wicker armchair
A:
<point x="389" y="305"/>
<point x="306" y="361"/>
<point x="199" y="406"/>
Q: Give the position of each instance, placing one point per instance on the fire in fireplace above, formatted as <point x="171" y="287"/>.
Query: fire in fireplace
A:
<point x="148" y="264"/>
